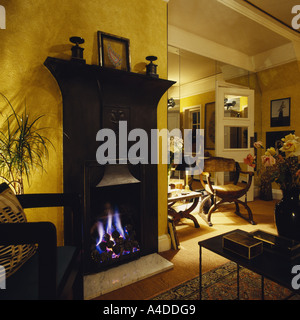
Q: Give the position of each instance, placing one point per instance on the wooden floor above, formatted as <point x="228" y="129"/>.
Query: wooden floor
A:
<point x="186" y="259"/>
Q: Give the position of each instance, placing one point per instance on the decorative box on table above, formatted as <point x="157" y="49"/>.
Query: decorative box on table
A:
<point x="287" y="248"/>
<point x="242" y="244"/>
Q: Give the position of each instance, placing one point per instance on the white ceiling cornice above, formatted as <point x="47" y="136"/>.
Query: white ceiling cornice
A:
<point x="188" y="41"/>
<point x="275" y="57"/>
<point x="258" y="17"/>
<point x="271" y="58"/>
<point x="200" y="86"/>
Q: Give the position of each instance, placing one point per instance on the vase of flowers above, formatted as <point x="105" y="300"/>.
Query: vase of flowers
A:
<point x="281" y="162"/>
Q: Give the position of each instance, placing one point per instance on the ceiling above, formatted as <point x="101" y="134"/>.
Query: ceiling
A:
<point x="188" y="66"/>
<point x="234" y="24"/>
<point x="279" y="9"/>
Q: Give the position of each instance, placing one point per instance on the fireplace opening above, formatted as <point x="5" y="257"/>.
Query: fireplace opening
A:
<point x="113" y="236"/>
<point x="113" y="217"/>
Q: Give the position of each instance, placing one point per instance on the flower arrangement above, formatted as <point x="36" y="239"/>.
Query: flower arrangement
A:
<point x="280" y="162"/>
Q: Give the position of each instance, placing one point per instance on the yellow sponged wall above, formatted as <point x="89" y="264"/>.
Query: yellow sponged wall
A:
<point x="36" y="29"/>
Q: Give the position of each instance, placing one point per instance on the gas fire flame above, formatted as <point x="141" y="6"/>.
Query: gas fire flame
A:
<point x="113" y="223"/>
<point x="113" y="239"/>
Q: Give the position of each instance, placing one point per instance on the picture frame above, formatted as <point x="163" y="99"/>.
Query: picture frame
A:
<point x="209" y="131"/>
<point x="113" y="51"/>
<point x="280" y="112"/>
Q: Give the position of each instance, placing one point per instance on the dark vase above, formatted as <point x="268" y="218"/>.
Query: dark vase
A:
<point x="287" y="214"/>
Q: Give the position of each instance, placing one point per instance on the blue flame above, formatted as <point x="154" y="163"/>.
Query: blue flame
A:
<point x="118" y="224"/>
<point x="101" y="232"/>
<point x="113" y="223"/>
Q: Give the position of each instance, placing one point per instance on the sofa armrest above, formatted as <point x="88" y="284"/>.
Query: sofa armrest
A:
<point x="72" y="211"/>
<point x="43" y="234"/>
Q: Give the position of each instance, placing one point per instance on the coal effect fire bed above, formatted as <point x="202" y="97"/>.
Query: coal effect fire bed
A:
<point x="113" y="240"/>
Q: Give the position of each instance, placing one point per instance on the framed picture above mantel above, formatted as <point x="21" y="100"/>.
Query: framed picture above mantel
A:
<point x="281" y="112"/>
<point x="113" y="51"/>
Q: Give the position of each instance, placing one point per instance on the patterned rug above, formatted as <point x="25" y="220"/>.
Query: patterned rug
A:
<point x="221" y="284"/>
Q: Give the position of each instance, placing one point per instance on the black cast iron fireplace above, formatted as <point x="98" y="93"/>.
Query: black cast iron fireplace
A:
<point x="95" y="98"/>
<point x="113" y="220"/>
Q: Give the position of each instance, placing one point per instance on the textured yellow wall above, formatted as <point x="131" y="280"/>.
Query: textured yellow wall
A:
<point x="198" y="99"/>
<point x="36" y="29"/>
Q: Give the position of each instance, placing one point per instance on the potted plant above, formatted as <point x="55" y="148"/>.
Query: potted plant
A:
<point x="23" y="148"/>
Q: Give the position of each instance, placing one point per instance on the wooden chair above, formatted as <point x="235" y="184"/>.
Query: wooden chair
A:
<point x="53" y="273"/>
<point x="230" y="192"/>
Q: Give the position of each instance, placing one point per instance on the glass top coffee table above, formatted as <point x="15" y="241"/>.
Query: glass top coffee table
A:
<point x="268" y="264"/>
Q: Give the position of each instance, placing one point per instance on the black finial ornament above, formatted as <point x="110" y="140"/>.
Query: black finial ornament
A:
<point x="77" y="51"/>
<point x="151" y="67"/>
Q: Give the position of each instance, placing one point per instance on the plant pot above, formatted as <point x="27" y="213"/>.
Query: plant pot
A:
<point x="287" y="214"/>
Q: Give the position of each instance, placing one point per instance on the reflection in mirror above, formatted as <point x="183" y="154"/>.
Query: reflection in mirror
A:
<point x="174" y="91"/>
<point x="196" y="86"/>
<point x="196" y="78"/>
<point x="235" y="106"/>
<point x="235" y="137"/>
<point x="194" y="94"/>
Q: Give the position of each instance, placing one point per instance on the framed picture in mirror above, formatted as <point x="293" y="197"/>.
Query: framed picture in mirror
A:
<point x="280" y="112"/>
<point x="209" y="130"/>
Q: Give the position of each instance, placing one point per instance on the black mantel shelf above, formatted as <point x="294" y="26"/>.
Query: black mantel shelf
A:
<point x="118" y="79"/>
<point x="93" y="97"/>
<point x="51" y="63"/>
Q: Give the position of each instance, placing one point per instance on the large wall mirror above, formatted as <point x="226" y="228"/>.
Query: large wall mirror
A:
<point x="192" y="100"/>
<point x="194" y="97"/>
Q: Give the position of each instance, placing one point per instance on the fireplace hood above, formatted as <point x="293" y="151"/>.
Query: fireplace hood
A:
<point x="116" y="174"/>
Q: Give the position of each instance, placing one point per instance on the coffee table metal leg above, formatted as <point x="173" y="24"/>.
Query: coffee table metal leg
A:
<point x="200" y="272"/>
<point x="238" y="280"/>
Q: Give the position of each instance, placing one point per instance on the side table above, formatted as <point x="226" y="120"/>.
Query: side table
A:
<point x="184" y="195"/>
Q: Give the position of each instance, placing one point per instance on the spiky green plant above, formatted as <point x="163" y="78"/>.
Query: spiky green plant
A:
<point x="22" y="148"/>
